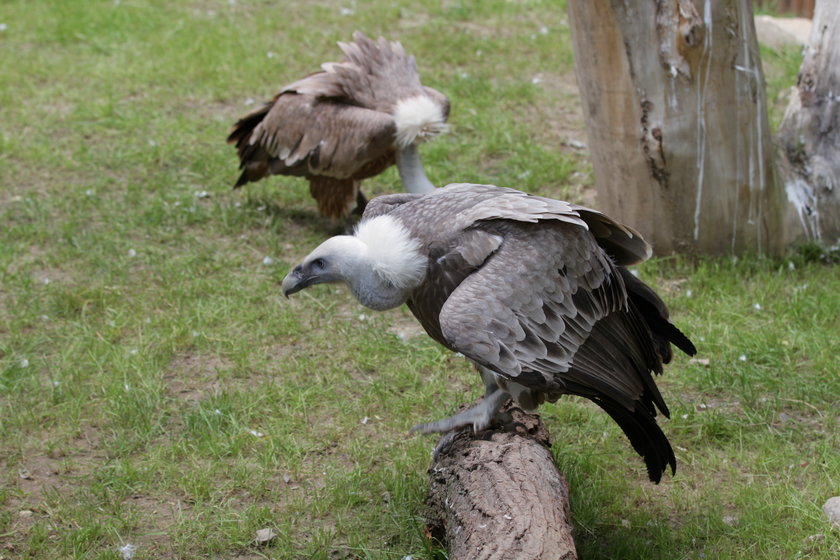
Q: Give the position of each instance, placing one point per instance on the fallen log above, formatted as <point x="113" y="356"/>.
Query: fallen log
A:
<point x="498" y="495"/>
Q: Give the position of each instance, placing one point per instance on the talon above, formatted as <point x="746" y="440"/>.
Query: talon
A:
<point x="479" y="417"/>
<point x="503" y="418"/>
<point x="445" y="444"/>
<point x="418" y="428"/>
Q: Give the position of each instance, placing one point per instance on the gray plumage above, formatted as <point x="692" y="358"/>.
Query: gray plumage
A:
<point x="341" y="125"/>
<point x="535" y="293"/>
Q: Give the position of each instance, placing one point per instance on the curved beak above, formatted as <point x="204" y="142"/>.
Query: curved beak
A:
<point x="296" y="280"/>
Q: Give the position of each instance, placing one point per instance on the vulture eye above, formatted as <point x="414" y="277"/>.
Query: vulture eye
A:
<point x="318" y="264"/>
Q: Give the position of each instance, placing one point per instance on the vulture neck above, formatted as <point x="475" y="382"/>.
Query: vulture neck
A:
<point x="411" y="170"/>
<point x="372" y="291"/>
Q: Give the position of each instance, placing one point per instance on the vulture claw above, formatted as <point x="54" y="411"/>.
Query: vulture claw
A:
<point x="445" y="444"/>
<point x="479" y="417"/>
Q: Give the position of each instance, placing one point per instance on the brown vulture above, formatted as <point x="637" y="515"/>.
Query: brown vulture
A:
<point x="534" y="291"/>
<point x="345" y="123"/>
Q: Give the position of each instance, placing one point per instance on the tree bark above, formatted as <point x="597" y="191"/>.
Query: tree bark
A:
<point x="498" y="495"/>
<point x="809" y="137"/>
<point x="673" y="95"/>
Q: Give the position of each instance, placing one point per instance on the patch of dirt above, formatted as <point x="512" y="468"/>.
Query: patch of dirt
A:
<point x="31" y="475"/>
<point x="7" y="199"/>
<point x="507" y="26"/>
<point x="154" y="519"/>
<point x="556" y="122"/>
<point x="668" y="287"/>
<point x="414" y="20"/>
<point x="281" y="353"/>
<point x="225" y="111"/>
<point x="797" y="413"/>
<point x="561" y="121"/>
<point x="32" y="261"/>
<point x="53" y="275"/>
<point x="192" y="377"/>
<point x="404" y="326"/>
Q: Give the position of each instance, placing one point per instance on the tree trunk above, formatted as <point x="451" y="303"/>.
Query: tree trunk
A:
<point x="673" y="95"/>
<point x="809" y="138"/>
<point x="498" y="495"/>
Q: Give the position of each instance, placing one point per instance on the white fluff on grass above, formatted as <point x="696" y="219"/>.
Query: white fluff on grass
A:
<point x="128" y="551"/>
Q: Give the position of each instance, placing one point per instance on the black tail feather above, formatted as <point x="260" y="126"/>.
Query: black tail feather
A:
<point x="645" y="435"/>
<point x="243" y="178"/>
<point x="655" y="313"/>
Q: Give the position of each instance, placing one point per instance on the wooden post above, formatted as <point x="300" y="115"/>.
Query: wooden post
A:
<point x="809" y="137"/>
<point x="673" y="96"/>
<point x="498" y="495"/>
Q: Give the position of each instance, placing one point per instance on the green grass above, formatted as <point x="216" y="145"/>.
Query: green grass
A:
<point x="156" y="389"/>
<point x="780" y="69"/>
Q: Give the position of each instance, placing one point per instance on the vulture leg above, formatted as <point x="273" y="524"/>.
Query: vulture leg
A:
<point x="353" y="216"/>
<point x="479" y="417"/>
<point x="349" y="226"/>
<point x="361" y="203"/>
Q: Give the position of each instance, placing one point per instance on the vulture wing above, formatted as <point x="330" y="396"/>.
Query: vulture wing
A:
<point x="376" y="74"/>
<point x="622" y="243"/>
<point x="548" y="311"/>
<point x="303" y="135"/>
<point x="386" y="203"/>
<point x="655" y="312"/>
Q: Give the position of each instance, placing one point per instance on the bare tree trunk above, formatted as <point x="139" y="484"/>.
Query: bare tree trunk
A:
<point x="673" y="95"/>
<point x="498" y="495"/>
<point x="809" y="138"/>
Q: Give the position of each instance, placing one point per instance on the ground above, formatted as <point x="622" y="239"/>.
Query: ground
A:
<point x="156" y="388"/>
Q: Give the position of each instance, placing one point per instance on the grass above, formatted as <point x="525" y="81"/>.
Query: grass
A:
<point x="156" y="389"/>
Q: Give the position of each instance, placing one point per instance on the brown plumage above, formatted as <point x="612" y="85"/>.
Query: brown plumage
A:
<point x="534" y="291"/>
<point x="343" y="124"/>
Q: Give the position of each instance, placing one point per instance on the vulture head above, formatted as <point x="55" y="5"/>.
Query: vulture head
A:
<point x="380" y="264"/>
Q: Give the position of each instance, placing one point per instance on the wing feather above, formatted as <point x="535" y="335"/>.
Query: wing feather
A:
<point x="302" y="135"/>
<point x="387" y="203"/>
<point x="488" y="202"/>
<point x="514" y="300"/>
<point x="622" y="243"/>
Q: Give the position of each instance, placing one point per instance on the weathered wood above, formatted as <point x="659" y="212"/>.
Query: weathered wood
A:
<point x="809" y="137"/>
<point x="498" y="495"/>
<point x="673" y="95"/>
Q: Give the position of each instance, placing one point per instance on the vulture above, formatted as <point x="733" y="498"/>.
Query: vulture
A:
<point x="534" y="291"/>
<point x="345" y="123"/>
